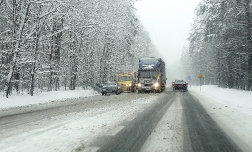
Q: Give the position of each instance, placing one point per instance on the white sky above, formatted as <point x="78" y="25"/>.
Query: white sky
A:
<point x="168" y="23"/>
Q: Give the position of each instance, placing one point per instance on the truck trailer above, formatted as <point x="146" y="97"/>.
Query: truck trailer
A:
<point x="151" y="75"/>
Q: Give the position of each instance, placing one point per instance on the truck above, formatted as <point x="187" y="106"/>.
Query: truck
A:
<point x="151" y="75"/>
<point x="179" y="85"/>
<point x="126" y="82"/>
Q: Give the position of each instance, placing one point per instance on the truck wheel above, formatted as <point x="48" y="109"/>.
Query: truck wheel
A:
<point x="139" y="91"/>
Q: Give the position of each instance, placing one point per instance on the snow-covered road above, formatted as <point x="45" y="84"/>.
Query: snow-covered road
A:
<point x="72" y="130"/>
<point x="168" y="134"/>
<point x="230" y="108"/>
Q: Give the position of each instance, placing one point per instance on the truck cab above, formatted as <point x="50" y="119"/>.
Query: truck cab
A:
<point x="150" y="80"/>
<point x="151" y="75"/>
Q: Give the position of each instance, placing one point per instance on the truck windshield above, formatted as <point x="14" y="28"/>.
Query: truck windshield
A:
<point x="125" y="78"/>
<point x="148" y="74"/>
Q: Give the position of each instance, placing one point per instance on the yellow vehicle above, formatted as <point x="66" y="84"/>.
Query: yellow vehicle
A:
<point x="127" y="82"/>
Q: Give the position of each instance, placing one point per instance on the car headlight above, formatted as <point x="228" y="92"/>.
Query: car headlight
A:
<point x="130" y="84"/>
<point x="156" y="85"/>
<point x="139" y="84"/>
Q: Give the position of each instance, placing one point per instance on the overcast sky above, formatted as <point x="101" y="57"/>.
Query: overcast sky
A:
<point x="168" y="23"/>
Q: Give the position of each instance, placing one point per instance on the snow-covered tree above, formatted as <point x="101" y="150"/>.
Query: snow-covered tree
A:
<point x="45" y="45"/>
<point x="221" y="37"/>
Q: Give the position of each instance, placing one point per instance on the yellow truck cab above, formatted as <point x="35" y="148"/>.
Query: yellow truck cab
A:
<point x="126" y="82"/>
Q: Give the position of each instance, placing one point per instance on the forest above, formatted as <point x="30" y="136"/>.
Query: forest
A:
<point x="220" y="44"/>
<point x="46" y="45"/>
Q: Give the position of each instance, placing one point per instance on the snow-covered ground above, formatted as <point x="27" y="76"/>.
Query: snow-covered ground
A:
<point x="41" y="98"/>
<point x="230" y="108"/>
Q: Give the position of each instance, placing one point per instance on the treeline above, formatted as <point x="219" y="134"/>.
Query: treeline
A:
<point x="46" y="45"/>
<point x="220" y="44"/>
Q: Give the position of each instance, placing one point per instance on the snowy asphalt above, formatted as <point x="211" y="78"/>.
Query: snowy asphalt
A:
<point x="200" y="132"/>
<point x="203" y="134"/>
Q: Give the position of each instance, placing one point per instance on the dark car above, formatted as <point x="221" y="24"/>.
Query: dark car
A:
<point x="110" y="87"/>
<point x="180" y="85"/>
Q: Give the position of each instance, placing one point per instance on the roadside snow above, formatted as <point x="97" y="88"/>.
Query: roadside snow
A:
<point x="231" y="109"/>
<point x="44" y="97"/>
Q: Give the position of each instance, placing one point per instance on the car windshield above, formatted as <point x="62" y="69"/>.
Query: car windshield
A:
<point x="125" y="78"/>
<point x="148" y="74"/>
<point x="179" y="81"/>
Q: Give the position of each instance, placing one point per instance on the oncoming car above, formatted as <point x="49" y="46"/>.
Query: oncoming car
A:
<point x="110" y="87"/>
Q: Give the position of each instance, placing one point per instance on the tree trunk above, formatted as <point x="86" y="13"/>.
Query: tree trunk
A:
<point x="55" y="53"/>
<point x="15" y="46"/>
<point x="13" y="51"/>
<point x="249" y="69"/>
<point x="37" y="33"/>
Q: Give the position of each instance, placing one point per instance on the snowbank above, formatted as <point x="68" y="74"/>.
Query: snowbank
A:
<point x="44" y="97"/>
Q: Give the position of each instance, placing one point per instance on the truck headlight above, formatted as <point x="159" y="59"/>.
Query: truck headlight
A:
<point x="139" y="84"/>
<point x="156" y="85"/>
<point x="130" y="84"/>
